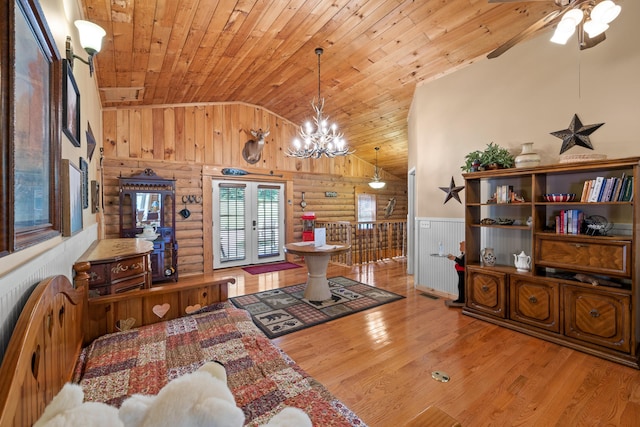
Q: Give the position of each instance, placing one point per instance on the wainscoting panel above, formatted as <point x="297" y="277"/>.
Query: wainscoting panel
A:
<point x="436" y="272"/>
<point x="16" y="286"/>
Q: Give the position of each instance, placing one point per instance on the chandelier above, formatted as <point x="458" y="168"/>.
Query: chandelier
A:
<point x="376" y="182"/>
<point x="589" y="18"/>
<point x="320" y="139"/>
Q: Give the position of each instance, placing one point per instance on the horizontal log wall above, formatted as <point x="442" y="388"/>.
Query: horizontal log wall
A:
<point x="192" y="144"/>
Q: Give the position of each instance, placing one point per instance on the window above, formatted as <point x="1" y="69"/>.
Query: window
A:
<point x="366" y="210"/>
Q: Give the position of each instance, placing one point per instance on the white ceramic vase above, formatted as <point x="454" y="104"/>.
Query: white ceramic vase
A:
<point x="527" y="158"/>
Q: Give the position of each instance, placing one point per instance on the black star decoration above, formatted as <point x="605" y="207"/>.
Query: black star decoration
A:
<point x="577" y="134"/>
<point x="452" y="191"/>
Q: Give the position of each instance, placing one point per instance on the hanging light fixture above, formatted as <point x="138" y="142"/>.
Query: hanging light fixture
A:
<point x="375" y="182"/>
<point x="588" y="17"/>
<point x="319" y="139"/>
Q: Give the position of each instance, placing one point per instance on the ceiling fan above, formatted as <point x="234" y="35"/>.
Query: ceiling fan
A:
<point x="590" y="17"/>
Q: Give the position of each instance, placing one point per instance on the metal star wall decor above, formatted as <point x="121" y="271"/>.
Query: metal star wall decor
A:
<point x="576" y="134"/>
<point x="452" y="191"/>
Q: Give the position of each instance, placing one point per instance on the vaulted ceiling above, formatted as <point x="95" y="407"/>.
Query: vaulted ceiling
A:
<point x="262" y="52"/>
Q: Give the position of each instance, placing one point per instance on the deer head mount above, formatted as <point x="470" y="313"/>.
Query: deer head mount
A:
<point x="252" y="150"/>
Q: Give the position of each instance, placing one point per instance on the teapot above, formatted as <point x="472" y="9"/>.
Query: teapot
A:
<point x="149" y="230"/>
<point x="522" y="261"/>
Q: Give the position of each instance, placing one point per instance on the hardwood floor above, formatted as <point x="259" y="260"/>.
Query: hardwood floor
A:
<point x="379" y="362"/>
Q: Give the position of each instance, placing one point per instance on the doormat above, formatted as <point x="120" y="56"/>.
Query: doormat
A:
<point x="268" y="268"/>
<point x="281" y="311"/>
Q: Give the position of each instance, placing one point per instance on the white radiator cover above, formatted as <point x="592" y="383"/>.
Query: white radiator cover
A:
<point x="434" y="272"/>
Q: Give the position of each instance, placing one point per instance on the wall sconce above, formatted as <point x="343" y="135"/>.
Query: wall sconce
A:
<point x="90" y="39"/>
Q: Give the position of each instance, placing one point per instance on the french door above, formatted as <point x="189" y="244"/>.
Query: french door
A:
<point x="248" y="223"/>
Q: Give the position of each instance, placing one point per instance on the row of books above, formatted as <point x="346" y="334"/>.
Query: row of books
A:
<point x="569" y="221"/>
<point x="603" y="189"/>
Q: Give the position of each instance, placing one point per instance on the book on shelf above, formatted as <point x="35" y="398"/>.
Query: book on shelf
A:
<point x="594" y="194"/>
<point x="586" y="188"/>
<point x="628" y="193"/>
<point x="569" y="221"/>
<point x="616" y="195"/>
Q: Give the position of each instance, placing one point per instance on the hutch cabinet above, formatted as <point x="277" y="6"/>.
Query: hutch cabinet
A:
<point x="581" y="290"/>
<point x="148" y="210"/>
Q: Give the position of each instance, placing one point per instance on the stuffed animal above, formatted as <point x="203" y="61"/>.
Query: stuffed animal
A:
<point x="67" y="409"/>
<point x="201" y="398"/>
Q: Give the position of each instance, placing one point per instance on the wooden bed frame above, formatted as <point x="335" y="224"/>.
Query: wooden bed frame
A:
<point x="58" y="319"/>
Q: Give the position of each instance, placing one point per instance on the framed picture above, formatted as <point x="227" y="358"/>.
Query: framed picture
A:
<point x="91" y="142"/>
<point x="70" y="105"/>
<point x="71" y="198"/>
<point x="84" y="167"/>
<point x="30" y="92"/>
<point x="95" y="196"/>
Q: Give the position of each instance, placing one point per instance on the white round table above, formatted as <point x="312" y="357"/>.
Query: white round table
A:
<point x="317" y="260"/>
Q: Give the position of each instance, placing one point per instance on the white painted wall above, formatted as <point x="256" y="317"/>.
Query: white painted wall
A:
<point x="533" y="89"/>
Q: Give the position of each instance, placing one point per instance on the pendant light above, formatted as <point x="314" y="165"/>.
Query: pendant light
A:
<point x="376" y="183"/>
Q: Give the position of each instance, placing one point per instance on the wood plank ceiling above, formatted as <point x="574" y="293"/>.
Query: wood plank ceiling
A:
<point x="262" y="52"/>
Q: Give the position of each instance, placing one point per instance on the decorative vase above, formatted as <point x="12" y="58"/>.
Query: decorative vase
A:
<point x="527" y="158"/>
<point x="488" y="257"/>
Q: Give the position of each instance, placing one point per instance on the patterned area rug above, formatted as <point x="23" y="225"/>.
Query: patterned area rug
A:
<point x="281" y="311"/>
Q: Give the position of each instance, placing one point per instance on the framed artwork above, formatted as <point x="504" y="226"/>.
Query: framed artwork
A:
<point x="84" y="168"/>
<point x="91" y="142"/>
<point x="71" y="198"/>
<point x="70" y="105"/>
<point x="30" y="72"/>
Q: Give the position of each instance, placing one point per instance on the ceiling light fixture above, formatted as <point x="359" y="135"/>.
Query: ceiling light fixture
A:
<point x="589" y="17"/>
<point x="91" y="41"/>
<point x="375" y="182"/>
<point x="324" y="140"/>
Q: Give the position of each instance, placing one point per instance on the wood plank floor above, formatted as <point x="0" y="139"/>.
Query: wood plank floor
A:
<point x="379" y="362"/>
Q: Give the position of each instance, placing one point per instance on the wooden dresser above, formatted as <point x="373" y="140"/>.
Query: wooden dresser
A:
<point x="117" y="265"/>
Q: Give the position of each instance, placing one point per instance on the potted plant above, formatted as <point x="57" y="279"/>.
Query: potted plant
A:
<point x="493" y="157"/>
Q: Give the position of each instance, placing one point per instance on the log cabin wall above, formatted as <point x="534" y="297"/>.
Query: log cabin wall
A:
<point x="192" y="143"/>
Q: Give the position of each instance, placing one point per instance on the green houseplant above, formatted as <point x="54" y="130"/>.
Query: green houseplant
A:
<point x="493" y="157"/>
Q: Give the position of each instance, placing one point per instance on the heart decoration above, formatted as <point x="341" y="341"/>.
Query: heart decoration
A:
<point x="191" y="308"/>
<point x="161" y="310"/>
<point x="125" y="324"/>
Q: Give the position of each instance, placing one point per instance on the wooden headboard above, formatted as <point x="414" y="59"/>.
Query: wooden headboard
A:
<point x="59" y="318"/>
<point x="42" y="352"/>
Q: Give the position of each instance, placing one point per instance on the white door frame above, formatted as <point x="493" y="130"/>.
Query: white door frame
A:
<point x="251" y="228"/>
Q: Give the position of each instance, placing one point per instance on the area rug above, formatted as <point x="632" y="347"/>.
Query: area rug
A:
<point x="281" y="311"/>
<point x="268" y="268"/>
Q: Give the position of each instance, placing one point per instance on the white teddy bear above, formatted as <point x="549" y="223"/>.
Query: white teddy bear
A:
<point x="66" y="409"/>
<point x="201" y="398"/>
<point x="198" y="399"/>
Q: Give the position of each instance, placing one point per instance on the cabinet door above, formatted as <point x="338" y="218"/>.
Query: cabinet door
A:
<point x="600" y="318"/>
<point x="487" y="291"/>
<point x="535" y="302"/>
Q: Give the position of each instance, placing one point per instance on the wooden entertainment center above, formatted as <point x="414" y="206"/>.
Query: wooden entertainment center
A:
<point x="581" y="290"/>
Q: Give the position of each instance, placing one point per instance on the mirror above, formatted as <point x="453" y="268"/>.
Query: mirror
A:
<point x="148" y="209"/>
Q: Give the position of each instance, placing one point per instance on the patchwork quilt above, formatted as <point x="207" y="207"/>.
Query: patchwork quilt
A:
<point x="261" y="376"/>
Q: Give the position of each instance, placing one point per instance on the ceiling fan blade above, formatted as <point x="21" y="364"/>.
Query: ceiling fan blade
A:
<point x="542" y="23"/>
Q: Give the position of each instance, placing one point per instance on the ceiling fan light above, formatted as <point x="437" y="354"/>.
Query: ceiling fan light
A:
<point x="575" y="16"/>
<point x="562" y="34"/>
<point x="595" y="28"/>
<point x="605" y="12"/>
